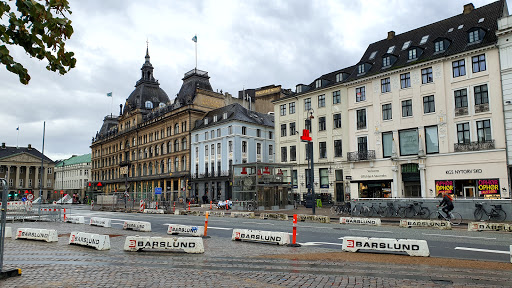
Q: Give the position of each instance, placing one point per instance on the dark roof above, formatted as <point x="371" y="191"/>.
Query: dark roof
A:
<point x="147" y="88"/>
<point x="109" y="122"/>
<point x="8" y="151"/>
<point x="193" y="79"/>
<point x="457" y="37"/>
<point x="235" y="112"/>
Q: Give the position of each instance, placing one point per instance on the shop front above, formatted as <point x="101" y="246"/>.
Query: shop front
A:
<point x="470" y="188"/>
<point x="371" y="182"/>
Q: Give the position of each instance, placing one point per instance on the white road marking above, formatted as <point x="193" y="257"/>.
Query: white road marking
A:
<point x="376" y="231"/>
<point x="320" y="243"/>
<point x="456" y="236"/>
<point x="219" y="228"/>
<point x="482" y="250"/>
<point x="300" y="226"/>
<point x="215" y="220"/>
<point x="257" y="223"/>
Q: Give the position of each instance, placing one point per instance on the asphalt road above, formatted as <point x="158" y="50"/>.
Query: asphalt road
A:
<point x="457" y="243"/>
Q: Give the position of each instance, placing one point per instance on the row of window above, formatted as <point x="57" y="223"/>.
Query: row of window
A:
<point x="322" y="151"/>
<point x="146" y="169"/>
<point x="218" y="133"/>
<point x="230" y="149"/>
<point x="23" y="170"/>
<point x="321" y="125"/>
<point x="11" y="183"/>
<point x="336" y="99"/>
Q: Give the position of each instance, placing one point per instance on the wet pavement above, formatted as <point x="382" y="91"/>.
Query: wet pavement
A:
<point x="224" y="264"/>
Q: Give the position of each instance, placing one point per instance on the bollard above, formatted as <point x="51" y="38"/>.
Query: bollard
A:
<point x="141" y="207"/>
<point x="206" y="225"/>
<point x="294" y="236"/>
<point x="156" y="204"/>
<point x="64" y="214"/>
<point x="174" y="206"/>
<point x="188" y="206"/>
<point x="210" y="205"/>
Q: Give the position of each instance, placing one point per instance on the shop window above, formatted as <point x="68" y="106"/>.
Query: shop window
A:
<point x="408" y="142"/>
<point x="431" y="140"/>
<point x="387" y="144"/>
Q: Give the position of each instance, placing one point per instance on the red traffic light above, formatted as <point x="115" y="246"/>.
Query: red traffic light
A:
<point x="305" y="135"/>
<point x="99" y="184"/>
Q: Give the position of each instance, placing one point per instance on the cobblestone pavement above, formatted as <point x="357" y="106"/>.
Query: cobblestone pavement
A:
<point x="224" y="264"/>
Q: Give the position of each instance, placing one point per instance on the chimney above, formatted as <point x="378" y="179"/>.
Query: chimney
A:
<point x="120" y="109"/>
<point x="29" y="146"/>
<point x="3" y="145"/>
<point x="391" y="35"/>
<point x="468" y="8"/>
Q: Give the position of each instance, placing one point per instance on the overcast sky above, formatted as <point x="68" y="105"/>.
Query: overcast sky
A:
<point x="240" y="43"/>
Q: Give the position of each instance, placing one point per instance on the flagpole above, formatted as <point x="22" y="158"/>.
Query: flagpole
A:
<point x="196" y="54"/>
<point x="42" y="170"/>
<point x="17" y="137"/>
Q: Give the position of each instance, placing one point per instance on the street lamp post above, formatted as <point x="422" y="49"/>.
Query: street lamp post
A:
<point x="311" y="166"/>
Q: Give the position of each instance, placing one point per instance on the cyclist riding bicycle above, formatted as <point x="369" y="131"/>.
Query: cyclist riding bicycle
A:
<point x="447" y="203"/>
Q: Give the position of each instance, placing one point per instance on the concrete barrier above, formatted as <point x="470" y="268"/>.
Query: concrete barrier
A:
<point x="103" y="222"/>
<point x="486" y="226"/>
<point x="37" y="234"/>
<point x="196" y="231"/>
<point x="271" y="237"/>
<point x="137" y="226"/>
<point x="185" y="212"/>
<point x="411" y="247"/>
<point x="314" y="218"/>
<point x="75" y="219"/>
<point x="360" y="221"/>
<point x="154" y="211"/>
<point x="243" y="215"/>
<point x="215" y="213"/>
<point x="8" y="232"/>
<point x="439" y="224"/>
<point x="274" y="216"/>
<point x="171" y="244"/>
<point x="15" y="205"/>
<point x="100" y="242"/>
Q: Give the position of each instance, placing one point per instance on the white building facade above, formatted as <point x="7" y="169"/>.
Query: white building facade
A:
<point x="72" y="175"/>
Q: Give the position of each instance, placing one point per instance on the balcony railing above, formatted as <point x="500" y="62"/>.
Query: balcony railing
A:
<point x="124" y="163"/>
<point x="361" y="155"/>
<point x="482" y="108"/>
<point x="216" y="173"/>
<point x="474" y="146"/>
<point x="461" y="111"/>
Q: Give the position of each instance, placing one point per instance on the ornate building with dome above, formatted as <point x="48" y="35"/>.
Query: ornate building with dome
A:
<point x="148" y="145"/>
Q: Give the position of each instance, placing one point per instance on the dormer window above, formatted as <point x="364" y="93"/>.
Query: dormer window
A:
<point x="424" y="39"/>
<point x="225" y="115"/>
<point x="341" y="76"/>
<point x="386" y="61"/>
<point x="372" y="56"/>
<point x="161" y="105"/>
<point x="148" y="105"/>
<point x="298" y="88"/>
<point x="412" y="54"/>
<point x="318" y="83"/>
<point x="475" y="35"/>
<point x="205" y="121"/>
<point x="360" y="69"/>
<point x="439" y="46"/>
<point x="391" y="49"/>
<point x="215" y="118"/>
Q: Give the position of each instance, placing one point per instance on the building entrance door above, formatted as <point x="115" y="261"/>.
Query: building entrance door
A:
<point x="339" y="192"/>
<point x="469" y="192"/>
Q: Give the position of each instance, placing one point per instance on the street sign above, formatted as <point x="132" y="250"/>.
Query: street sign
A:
<point x="158" y="190"/>
<point x="30" y="197"/>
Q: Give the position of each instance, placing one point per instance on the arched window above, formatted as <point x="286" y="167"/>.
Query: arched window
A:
<point x="162" y="149"/>
<point x="162" y="166"/>
<point x="145" y="153"/>
<point x="184" y="143"/>
<point x="148" y="105"/>
<point x="169" y="147"/>
<point x="183" y="163"/>
<point x="127" y="144"/>
<point x="169" y="165"/>
<point x="150" y="169"/>
<point x="133" y="155"/>
<point x="144" y="170"/>
<point x="139" y="172"/>
<point x="133" y="171"/>
<point x="157" y="168"/>
<point x="176" y="128"/>
<point x="151" y="151"/>
<point x="176" y="145"/>
<point x="157" y="150"/>
<point x="176" y="164"/>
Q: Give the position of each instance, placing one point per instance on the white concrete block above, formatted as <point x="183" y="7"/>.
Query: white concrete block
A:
<point x="486" y="226"/>
<point x="103" y="222"/>
<point x="75" y="219"/>
<point x="137" y="226"/>
<point x="8" y="232"/>
<point x="171" y="244"/>
<point x="242" y="215"/>
<point x="196" y="231"/>
<point x="411" y="247"/>
<point x="100" y="242"/>
<point x="154" y="211"/>
<point x="280" y="238"/>
<point x="439" y="224"/>
<point x="37" y="234"/>
<point x="360" y="221"/>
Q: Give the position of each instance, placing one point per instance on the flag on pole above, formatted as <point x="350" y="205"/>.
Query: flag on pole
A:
<point x="194" y="38"/>
<point x="109" y="94"/>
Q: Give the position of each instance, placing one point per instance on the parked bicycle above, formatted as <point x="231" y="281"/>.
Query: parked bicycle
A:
<point x="455" y="218"/>
<point x="496" y="212"/>
<point x="372" y="210"/>
<point x="341" y="209"/>
<point x="415" y="209"/>
<point x="251" y="206"/>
